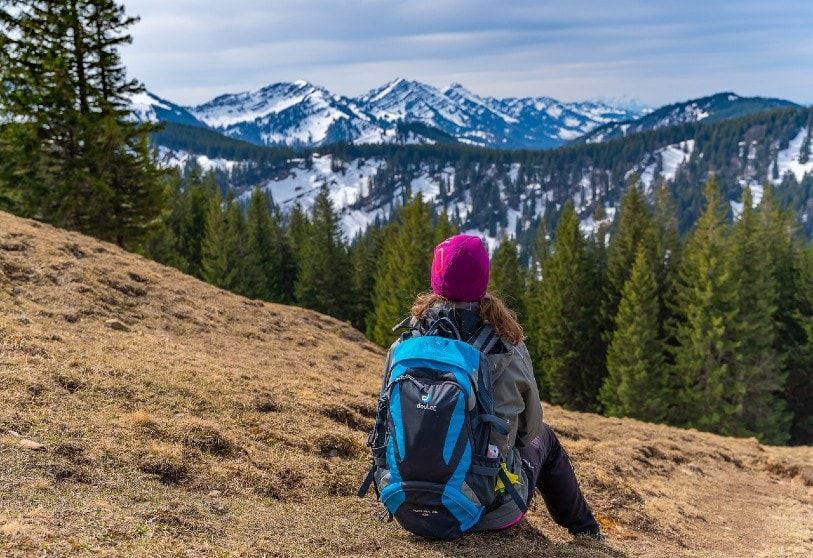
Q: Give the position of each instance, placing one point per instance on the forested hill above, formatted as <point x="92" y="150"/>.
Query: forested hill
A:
<point x="498" y="191"/>
<point x="711" y="108"/>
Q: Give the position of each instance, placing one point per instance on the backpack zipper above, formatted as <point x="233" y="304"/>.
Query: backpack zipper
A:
<point x="408" y="377"/>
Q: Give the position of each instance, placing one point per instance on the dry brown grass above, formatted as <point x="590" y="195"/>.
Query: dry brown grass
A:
<point x="219" y="426"/>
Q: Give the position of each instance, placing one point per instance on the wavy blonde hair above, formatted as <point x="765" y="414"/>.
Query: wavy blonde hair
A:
<point x="492" y="310"/>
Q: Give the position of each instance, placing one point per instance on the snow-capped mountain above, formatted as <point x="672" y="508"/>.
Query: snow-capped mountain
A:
<point x="148" y="107"/>
<point x="296" y="113"/>
<point x="709" y="109"/>
<point x="542" y="117"/>
<point x="303" y="114"/>
<point x="540" y="122"/>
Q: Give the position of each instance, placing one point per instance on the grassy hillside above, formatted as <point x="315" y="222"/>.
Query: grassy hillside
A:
<point x="145" y="413"/>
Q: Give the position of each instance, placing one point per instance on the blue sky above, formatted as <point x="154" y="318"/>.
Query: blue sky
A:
<point x="657" y="51"/>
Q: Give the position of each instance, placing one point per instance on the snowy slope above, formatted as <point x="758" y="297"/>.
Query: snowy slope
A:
<point x="662" y="165"/>
<point x="349" y="184"/>
<point x="148" y="107"/>
<point x="789" y="160"/>
<point x="366" y="188"/>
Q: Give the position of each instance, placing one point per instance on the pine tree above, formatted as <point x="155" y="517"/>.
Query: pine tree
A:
<point x="364" y="255"/>
<point x="161" y="244"/>
<point x="707" y="395"/>
<point x="763" y="413"/>
<point x="804" y="151"/>
<point x="235" y="245"/>
<point x="267" y="254"/>
<point x="188" y="218"/>
<point x="324" y="281"/>
<point x="566" y="337"/>
<point x="38" y="140"/>
<point x="178" y="239"/>
<point x="215" y="257"/>
<point x="71" y="150"/>
<point x="635" y="363"/>
<point x="443" y="228"/>
<point x="799" y="347"/>
<point x="667" y="249"/>
<point x="507" y="277"/>
<point x="122" y="144"/>
<point x="298" y="231"/>
<point x="599" y="328"/>
<point x="635" y="228"/>
<point x="792" y="267"/>
<point x="403" y="270"/>
<point x="289" y="265"/>
<point x="533" y="300"/>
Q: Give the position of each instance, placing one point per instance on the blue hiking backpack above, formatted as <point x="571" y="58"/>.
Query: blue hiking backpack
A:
<point x="430" y="444"/>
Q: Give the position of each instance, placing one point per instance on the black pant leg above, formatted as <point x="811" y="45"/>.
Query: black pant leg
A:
<point x="556" y="480"/>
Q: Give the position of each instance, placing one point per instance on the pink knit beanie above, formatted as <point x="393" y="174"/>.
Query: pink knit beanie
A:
<point x="460" y="269"/>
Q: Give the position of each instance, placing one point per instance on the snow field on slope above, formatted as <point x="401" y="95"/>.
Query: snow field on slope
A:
<point x="788" y="159"/>
<point x="671" y="158"/>
<point x="179" y="159"/>
<point x="143" y="105"/>
<point x="252" y="105"/>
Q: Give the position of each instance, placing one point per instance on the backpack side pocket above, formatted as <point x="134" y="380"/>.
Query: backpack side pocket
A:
<point x="482" y="479"/>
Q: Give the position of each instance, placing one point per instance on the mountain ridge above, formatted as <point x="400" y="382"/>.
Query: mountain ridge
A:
<point x="710" y="108"/>
<point x="302" y="114"/>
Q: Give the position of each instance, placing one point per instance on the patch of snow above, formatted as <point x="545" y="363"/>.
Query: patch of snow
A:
<point x="568" y="135"/>
<point x="589" y="226"/>
<point x="671" y="158"/>
<point x="736" y="208"/>
<point x="143" y="107"/>
<point x="647" y="177"/>
<point x="217" y="163"/>
<point x="675" y="155"/>
<point x="425" y="185"/>
<point x="347" y="186"/>
<point x="169" y="158"/>
<point x="788" y="159"/>
<point x="513" y="172"/>
<point x="757" y="191"/>
<point x="555" y="111"/>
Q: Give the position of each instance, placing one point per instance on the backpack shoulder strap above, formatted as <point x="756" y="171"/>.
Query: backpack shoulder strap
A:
<point x="484" y="339"/>
<point x="406" y="323"/>
<point x="445" y="327"/>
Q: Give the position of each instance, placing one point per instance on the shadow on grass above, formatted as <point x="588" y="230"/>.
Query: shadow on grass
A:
<point x="521" y="541"/>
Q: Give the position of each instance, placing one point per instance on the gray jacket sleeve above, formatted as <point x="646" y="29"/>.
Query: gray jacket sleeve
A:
<point x="516" y="398"/>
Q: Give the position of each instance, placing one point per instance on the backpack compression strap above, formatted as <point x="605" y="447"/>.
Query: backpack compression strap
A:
<point x="365" y="485"/>
<point x="512" y="492"/>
